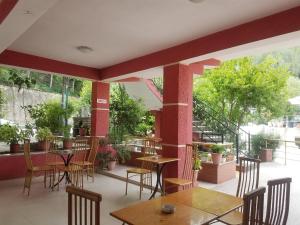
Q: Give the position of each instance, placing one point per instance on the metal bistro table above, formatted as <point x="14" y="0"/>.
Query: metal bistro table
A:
<point x="193" y="207"/>
<point x="160" y="162"/>
<point x="66" y="155"/>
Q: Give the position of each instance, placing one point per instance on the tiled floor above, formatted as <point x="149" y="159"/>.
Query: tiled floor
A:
<point x="50" y="208"/>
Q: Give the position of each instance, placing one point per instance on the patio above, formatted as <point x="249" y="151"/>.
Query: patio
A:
<point x="45" y="206"/>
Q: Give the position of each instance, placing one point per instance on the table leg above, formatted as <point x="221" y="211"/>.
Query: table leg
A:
<point x="159" y="170"/>
<point x="66" y="174"/>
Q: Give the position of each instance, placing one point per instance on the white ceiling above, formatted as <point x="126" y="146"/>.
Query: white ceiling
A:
<point x="119" y="30"/>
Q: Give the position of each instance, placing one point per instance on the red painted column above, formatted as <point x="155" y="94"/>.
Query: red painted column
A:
<point x="100" y="109"/>
<point x="176" y="130"/>
<point x="158" y="120"/>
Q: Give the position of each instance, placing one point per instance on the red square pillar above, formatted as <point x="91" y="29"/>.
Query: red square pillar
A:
<point x="158" y="115"/>
<point x="176" y="130"/>
<point x="100" y="109"/>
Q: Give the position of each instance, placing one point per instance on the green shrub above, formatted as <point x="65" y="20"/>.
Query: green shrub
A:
<point x="218" y="149"/>
<point x="261" y="141"/>
<point x="197" y="164"/>
<point x="10" y="134"/>
<point x="44" y="134"/>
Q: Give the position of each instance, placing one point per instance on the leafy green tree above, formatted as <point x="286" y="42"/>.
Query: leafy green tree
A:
<point x="240" y="87"/>
<point x="50" y="115"/>
<point x="125" y="113"/>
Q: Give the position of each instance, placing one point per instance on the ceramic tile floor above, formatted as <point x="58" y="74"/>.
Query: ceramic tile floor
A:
<point x="44" y="207"/>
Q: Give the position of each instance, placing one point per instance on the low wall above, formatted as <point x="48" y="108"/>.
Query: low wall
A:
<point x="13" y="166"/>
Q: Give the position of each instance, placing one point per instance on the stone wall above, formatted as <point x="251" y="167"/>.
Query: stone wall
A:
<point x="12" y="109"/>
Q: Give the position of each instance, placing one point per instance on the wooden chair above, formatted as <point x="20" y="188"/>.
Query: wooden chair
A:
<point x="31" y="169"/>
<point x="254" y="207"/>
<point x="248" y="181"/>
<point x="186" y="179"/>
<point x="89" y="163"/>
<point x="83" y="206"/>
<point x="145" y="172"/>
<point x="278" y="201"/>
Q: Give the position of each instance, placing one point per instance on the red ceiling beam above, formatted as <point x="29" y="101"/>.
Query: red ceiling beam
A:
<point x="17" y="59"/>
<point x="6" y="7"/>
<point x="198" y="67"/>
<point x="267" y="27"/>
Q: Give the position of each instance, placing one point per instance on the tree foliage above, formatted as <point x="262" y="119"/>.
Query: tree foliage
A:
<point x="240" y="88"/>
<point x="50" y="114"/>
<point x="125" y="113"/>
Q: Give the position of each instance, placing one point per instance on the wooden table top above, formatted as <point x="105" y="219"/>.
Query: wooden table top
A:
<point x="210" y="201"/>
<point x="157" y="159"/>
<point x="149" y="213"/>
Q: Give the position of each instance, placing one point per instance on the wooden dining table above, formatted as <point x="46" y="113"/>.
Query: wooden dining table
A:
<point x="192" y="206"/>
<point x="159" y="162"/>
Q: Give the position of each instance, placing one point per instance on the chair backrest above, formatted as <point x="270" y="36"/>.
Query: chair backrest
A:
<point x="94" y="148"/>
<point x="80" y="148"/>
<point x="248" y="175"/>
<point x="188" y="162"/>
<point x="27" y="156"/>
<point x="149" y="149"/>
<point x="83" y="206"/>
<point x="56" y="143"/>
<point x="278" y="201"/>
<point x="254" y="207"/>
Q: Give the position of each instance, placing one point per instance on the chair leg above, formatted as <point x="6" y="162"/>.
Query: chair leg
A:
<point x="141" y="185"/>
<point x="45" y="179"/>
<point x="27" y="182"/>
<point x="126" y="184"/>
<point x="164" y="189"/>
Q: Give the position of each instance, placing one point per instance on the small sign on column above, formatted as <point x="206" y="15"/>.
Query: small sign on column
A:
<point x="101" y="101"/>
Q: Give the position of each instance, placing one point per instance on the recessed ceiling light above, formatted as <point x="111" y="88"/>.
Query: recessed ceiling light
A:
<point x="196" y="1"/>
<point x="84" y="49"/>
<point x="28" y="12"/>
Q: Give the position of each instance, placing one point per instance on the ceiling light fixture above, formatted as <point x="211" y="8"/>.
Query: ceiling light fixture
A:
<point x="196" y="1"/>
<point x="84" y="49"/>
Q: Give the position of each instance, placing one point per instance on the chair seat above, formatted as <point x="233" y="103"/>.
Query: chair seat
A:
<point x="55" y="163"/>
<point x="138" y="170"/>
<point x="85" y="163"/>
<point x="69" y="168"/>
<point x="178" y="181"/>
<point x="41" y="168"/>
<point x="232" y="218"/>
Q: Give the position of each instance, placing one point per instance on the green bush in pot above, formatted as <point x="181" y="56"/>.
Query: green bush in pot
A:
<point x="44" y="135"/>
<point x="12" y="135"/>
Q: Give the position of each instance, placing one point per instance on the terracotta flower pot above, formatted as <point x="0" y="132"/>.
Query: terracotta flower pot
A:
<point x="111" y="165"/>
<point x="14" y="148"/>
<point x="266" y="155"/>
<point x="216" y="158"/>
<point x="67" y="143"/>
<point x="44" y="145"/>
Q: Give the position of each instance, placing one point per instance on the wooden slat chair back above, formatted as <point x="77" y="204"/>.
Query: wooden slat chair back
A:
<point x="80" y="148"/>
<point x="254" y="207"/>
<point x="27" y="156"/>
<point x="248" y="175"/>
<point x="278" y="201"/>
<point x="83" y="206"/>
<point x="188" y="163"/>
<point x="94" y="148"/>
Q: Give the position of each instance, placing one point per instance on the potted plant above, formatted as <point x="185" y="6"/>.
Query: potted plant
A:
<point x="204" y="156"/>
<point x="67" y="141"/>
<point x="196" y="168"/>
<point x="263" y="146"/>
<point x="103" y="158"/>
<point x="11" y="134"/>
<point x="112" y="161"/>
<point x="123" y="152"/>
<point x="44" y="135"/>
<point x="216" y="155"/>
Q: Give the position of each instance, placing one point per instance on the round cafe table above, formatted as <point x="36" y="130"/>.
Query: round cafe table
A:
<point x="66" y="155"/>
